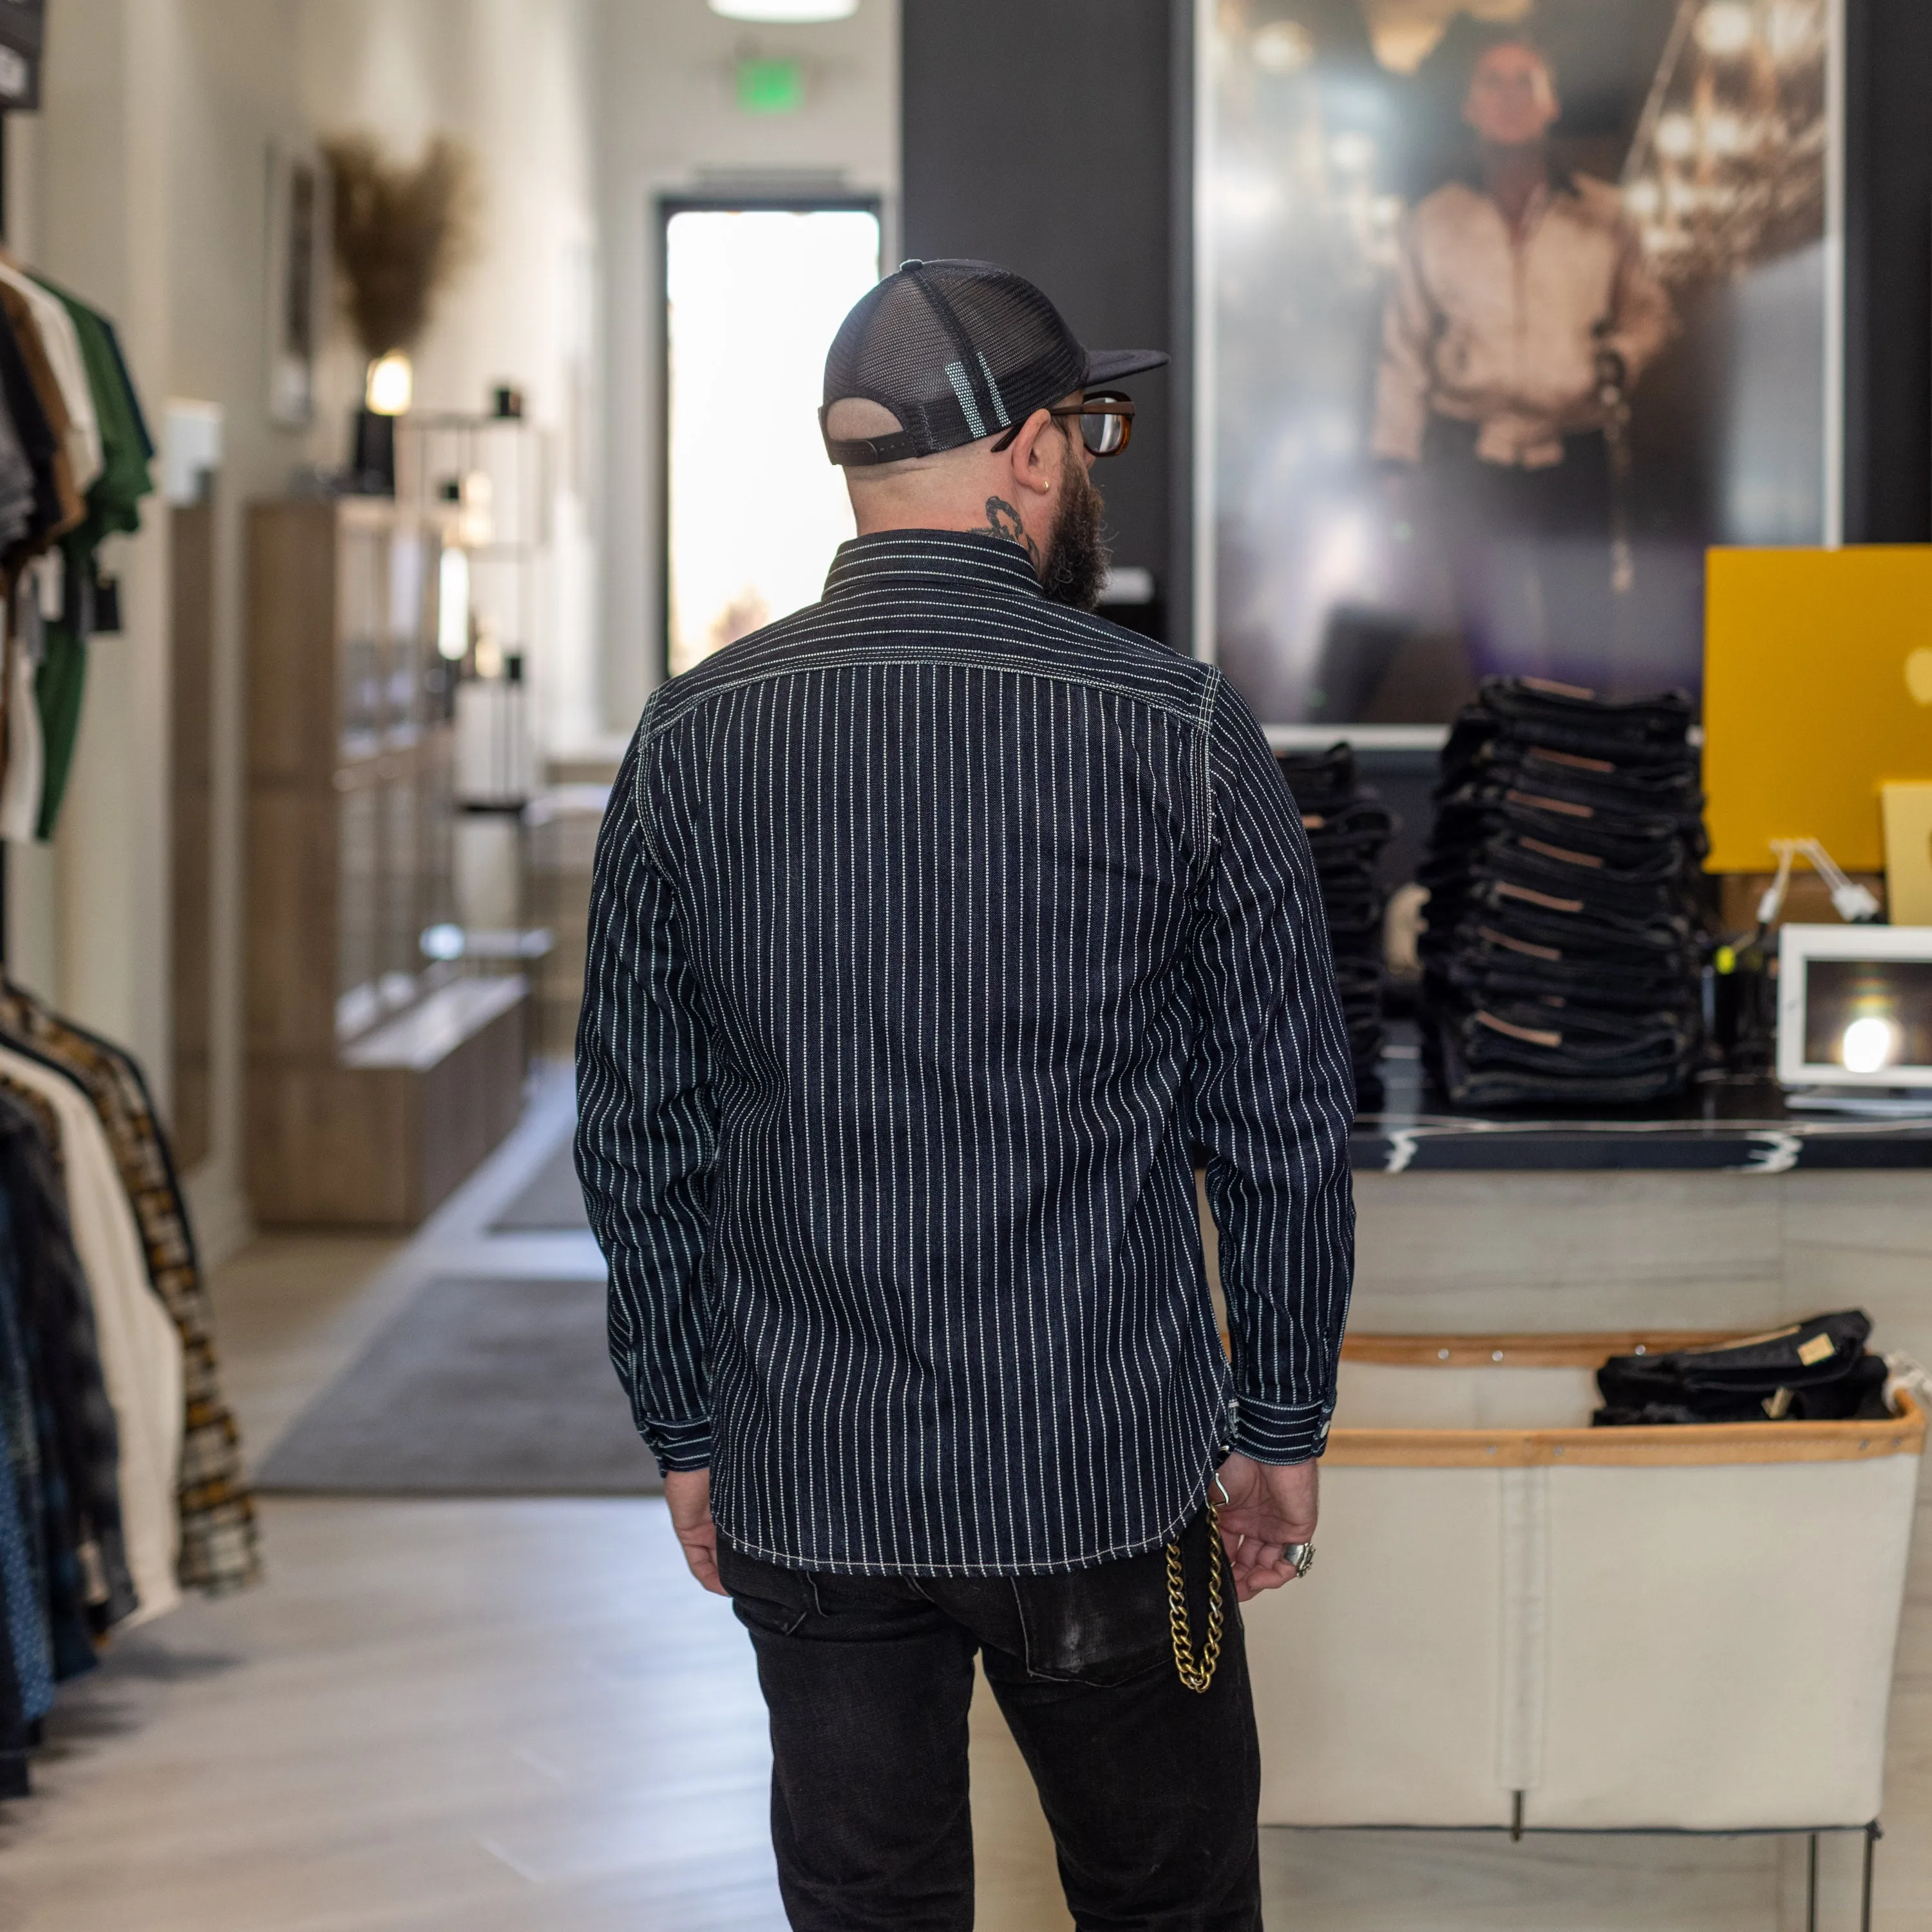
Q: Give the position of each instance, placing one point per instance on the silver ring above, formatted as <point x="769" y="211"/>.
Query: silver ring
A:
<point x="1300" y="1554"/>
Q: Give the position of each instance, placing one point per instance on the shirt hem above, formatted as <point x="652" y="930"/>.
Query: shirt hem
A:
<point x="1061" y="1566"/>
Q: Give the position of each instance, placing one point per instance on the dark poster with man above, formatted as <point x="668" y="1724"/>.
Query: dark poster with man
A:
<point x="1510" y="309"/>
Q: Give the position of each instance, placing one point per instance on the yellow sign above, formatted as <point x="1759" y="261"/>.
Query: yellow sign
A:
<point x="1817" y="692"/>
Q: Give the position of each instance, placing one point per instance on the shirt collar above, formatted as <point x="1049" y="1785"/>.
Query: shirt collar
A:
<point x="959" y="558"/>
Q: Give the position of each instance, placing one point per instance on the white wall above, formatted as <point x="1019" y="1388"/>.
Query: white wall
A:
<point x="668" y="121"/>
<point x="234" y="96"/>
<point x="511" y="78"/>
<point x="93" y="209"/>
<point x="142" y="185"/>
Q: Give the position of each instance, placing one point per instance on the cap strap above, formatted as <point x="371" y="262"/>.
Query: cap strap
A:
<point x="959" y="374"/>
<point x="860" y="452"/>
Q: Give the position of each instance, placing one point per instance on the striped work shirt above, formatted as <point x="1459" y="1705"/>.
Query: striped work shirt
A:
<point x="937" y="931"/>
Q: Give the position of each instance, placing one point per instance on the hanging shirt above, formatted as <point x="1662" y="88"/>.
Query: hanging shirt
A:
<point x="67" y="509"/>
<point x="16" y="483"/>
<point x="22" y="1607"/>
<point x="140" y="1352"/>
<point x="26" y="758"/>
<point x="114" y="497"/>
<point x="217" y="1518"/>
<point x="38" y="444"/>
<point x="85" y="1569"/>
<point x="113" y="506"/>
<point x="69" y="368"/>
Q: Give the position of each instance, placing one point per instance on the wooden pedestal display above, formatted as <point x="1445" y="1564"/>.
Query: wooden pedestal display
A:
<point x="382" y="1137"/>
<point x="376" y="1078"/>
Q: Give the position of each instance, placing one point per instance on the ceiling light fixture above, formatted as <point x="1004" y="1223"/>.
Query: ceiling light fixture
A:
<point x="1726" y="28"/>
<point x="785" y="13"/>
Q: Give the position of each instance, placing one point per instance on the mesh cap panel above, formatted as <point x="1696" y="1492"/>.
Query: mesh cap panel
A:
<point x="956" y="351"/>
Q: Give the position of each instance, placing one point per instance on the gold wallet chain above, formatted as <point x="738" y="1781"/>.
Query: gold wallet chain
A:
<point x="1197" y="1673"/>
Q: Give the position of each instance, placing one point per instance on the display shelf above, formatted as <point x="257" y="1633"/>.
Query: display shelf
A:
<point x="375" y="1080"/>
<point x="1723" y="1126"/>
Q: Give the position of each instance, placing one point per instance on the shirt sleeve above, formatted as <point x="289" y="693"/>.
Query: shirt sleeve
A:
<point x="1642" y="319"/>
<point x="646" y="1136"/>
<point x="1402" y="378"/>
<point x="1272" y="1101"/>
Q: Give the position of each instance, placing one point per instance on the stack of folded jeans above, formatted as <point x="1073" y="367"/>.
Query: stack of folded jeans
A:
<point x="1348" y="825"/>
<point x="1560" y="961"/>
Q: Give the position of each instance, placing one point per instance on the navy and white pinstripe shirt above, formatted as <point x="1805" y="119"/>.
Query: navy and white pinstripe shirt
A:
<point x="936" y="929"/>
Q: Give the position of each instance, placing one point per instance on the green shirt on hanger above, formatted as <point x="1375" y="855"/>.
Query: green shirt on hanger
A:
<point x="113" y="506"/>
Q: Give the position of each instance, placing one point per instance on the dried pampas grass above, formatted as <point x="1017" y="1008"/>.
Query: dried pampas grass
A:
<point x="402" y="234"/>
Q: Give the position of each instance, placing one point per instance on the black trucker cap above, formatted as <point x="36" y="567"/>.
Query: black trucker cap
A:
<point x="957" y="351"/>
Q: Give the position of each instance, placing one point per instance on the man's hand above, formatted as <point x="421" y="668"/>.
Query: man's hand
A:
<point x="1266" y="1507"/>
<point x="689" y="1493"/>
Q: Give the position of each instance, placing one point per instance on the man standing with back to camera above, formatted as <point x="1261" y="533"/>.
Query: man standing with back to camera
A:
<point x="938" y="929"/>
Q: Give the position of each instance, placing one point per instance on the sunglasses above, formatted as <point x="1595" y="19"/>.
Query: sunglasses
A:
<point x="1106" y="424"/>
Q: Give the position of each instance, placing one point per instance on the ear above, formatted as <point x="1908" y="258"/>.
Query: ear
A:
<point x="1036" y="455"/>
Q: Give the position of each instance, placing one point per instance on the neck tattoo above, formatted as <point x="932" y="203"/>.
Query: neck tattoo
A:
<point x="1004" y="520"/>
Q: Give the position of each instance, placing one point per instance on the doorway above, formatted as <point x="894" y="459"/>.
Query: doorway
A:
<point x="753" y="293"/>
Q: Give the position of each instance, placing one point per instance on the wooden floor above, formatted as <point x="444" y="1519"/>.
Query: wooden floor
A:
<point x="523" y="1717"/>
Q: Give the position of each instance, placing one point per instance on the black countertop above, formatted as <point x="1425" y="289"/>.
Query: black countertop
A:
<point x="1726" y="1126"/>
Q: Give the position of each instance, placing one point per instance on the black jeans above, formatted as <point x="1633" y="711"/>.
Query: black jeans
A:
<point x="1529" y="551"/>
<point x="1151" y="1789"/>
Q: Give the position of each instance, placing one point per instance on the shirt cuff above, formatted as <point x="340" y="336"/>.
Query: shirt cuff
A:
<point x="680" y="1447"/>
<point x="1281" y="1432"/>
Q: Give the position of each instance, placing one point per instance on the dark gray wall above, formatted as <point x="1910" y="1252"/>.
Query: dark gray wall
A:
<point x="1038" y="134"/>
<point x="1888" y="271"/>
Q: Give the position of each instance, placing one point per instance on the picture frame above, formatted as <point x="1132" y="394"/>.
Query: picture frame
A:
<point x="1346" y="593"/>
<point x="297" y="278"/>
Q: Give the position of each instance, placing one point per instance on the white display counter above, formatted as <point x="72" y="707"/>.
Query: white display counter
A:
<point x="1519" y="1620"/>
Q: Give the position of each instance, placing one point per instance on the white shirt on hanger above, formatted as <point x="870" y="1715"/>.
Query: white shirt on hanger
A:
<point x="26" y="753"/>
<point x="140" y="1347"/>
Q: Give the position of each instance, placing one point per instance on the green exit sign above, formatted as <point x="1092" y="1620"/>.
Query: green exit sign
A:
<point x="770" y="86"/>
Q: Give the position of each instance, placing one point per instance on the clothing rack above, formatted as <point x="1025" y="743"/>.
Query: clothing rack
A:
<point x="5" y="229"/>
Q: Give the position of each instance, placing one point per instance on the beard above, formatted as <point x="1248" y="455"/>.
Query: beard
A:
<point x="1076" y="553"/>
